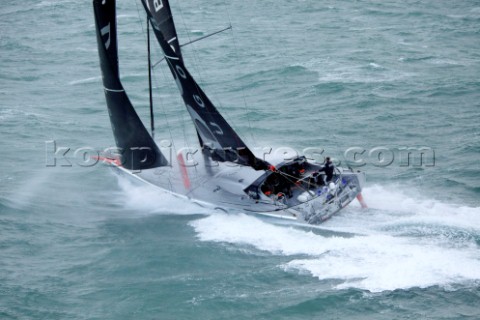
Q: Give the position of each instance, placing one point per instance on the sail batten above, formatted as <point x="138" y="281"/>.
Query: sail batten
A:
<point x="215" y="134"/>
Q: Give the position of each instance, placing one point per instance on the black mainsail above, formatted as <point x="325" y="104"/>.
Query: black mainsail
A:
<point x="216" y="136"/>
<point x="137" y="148"/>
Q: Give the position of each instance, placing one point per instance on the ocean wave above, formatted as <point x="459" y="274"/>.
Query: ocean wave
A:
<point x="330" y="70"/>
<point x="85" y="80"/>
<point x="388" y="249"/>
<point x="148" y="200"/>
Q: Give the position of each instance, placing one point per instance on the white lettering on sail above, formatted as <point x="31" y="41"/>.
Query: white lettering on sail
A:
<point x="181" y="72"/>
<point x="218" y="130"/>
<point x="179" y="85"/>
<point x="176" y="76"/>
<point x="106" y="30"/>
<point x="158" y="5"/>
<point x="171" y="46"/>
<point x="199" y="101"/>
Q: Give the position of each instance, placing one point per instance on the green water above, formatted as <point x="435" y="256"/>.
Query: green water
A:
<point x="80" y="243"/>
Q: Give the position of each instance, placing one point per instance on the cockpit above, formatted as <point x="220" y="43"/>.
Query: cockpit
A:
<point x="290" y="182"/>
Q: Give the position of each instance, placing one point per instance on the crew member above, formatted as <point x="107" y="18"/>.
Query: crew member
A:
<point x="328" y="168"/>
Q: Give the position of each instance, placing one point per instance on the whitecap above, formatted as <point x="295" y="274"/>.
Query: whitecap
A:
<point x="372" y="257"/>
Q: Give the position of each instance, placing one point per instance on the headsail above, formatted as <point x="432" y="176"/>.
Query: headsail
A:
<point x="214" y="133"/>
<point x="160" y="11"/>
<point x="137" y="147"/>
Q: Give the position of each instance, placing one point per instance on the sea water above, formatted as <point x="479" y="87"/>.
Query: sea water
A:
<point x="338" y="77"/>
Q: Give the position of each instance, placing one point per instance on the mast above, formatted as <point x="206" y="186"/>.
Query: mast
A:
<point x="216" y="136"/>
<point x="152" y="125"/>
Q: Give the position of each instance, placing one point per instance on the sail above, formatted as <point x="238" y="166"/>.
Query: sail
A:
<point x="137" y="148"/>
<point x="215" y="134"/>
<point x="160" y="11"/>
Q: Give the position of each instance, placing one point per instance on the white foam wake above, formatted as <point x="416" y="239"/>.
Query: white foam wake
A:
<point x="378" y="257"/>
<point x="146" y="199"/>
<point x="401" y="242"/>
<point x="392" y="206"/>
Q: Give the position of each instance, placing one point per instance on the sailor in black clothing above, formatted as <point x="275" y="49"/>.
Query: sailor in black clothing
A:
<point x="328" y="169"/>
